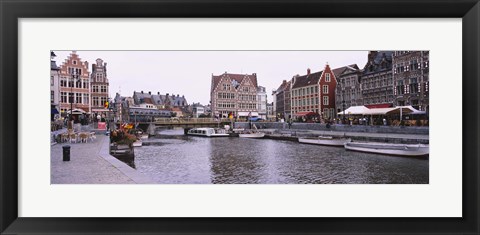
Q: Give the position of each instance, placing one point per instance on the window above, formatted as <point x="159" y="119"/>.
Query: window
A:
<point x="52" y="96"/>
<point x="85" y="99"/>
<point x="78" y="98"/>
<point x="311" y="90"/>
<point x="70" y="97"/>
<point x="95" y="89"/>
<point x="104" y="89"/>
<point x="63" y="97"/>
<point x="63" y="83"/>
<point x="99" y="77"/>
<point x="96" y="101"/>
<point x="325" y="100"/>
<point x="327" y="77"/>
<point x="74" y="71"/>
<point x="325" y="89"/>
<point x="52" y="82"/>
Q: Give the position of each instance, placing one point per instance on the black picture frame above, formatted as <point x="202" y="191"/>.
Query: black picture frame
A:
<point x="12" y="10"/>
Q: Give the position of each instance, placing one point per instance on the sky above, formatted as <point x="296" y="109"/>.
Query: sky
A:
<point x="189" y="73"/>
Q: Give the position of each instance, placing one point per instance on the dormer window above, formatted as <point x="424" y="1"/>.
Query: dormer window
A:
<point x="74" y="62"/>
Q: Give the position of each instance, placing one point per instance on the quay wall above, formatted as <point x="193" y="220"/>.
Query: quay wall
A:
<point x="414" y="130"/>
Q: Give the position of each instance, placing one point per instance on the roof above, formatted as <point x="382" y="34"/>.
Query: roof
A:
<point x="307" y="80"/>
<point x="374" y="64"/>
<point x="341" y="70"/>
<point x="53" y="65"/>
<point x="236" y="77"/>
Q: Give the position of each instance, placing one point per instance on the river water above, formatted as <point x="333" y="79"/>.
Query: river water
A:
<point x="173" y="158"/>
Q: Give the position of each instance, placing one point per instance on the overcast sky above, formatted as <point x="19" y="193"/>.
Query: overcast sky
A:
<point x="189" y="73"/>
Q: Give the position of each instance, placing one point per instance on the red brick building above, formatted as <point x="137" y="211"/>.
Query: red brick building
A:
<point x="100" y="85"/>
<point x="71" y="89"/>
<point x="314" y="92"/>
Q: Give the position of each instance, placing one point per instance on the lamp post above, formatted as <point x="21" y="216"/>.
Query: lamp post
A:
<point x="75" y="77"/>
<point x="343" y="100"/>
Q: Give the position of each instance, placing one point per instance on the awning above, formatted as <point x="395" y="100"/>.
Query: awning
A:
<point x="76" y="111"/>
<point x="301" y="114"/>
<point x="54" y="111"/>
<point x="355" y="110"/>
<point x="100" y="110"/>
<point x="245" y="114"/>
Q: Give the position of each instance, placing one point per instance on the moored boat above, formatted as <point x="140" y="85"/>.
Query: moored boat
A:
<point x="208" y="132"/>
<point x="411" y="150"/>
<point x="137" y="143"/>
<point x="256" y="135"/>
<point x="324" y="140"/>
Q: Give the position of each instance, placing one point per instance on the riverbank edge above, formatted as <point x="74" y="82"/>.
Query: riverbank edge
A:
<point x="294" y="134"/>
<point x="128" y="171"/>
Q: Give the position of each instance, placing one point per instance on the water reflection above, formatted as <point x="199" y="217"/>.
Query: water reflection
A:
<point x="172" y="158"/>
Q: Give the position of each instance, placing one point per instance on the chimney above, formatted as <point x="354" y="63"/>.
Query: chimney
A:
<point x="142" y="92"/>
<point x="158" y="93"/>
<point x="149" y="92"/>
<point x="167" y="94"/>
<point x="178" y="95"/>
<point x="308" y="71"/>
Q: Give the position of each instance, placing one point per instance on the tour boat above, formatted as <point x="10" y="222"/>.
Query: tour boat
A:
<point x="256" y="135"/>
<point x="411" y="150"/>
<point x="324" y="140"/>
<point x="208" y="132"/>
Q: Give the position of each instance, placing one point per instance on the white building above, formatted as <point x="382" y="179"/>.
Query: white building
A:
<point x="262" y="102"/>
<point x="54" y="88"/>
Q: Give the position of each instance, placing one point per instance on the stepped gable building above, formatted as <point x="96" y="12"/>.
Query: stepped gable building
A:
<point x="377" y="80"/>
<point x="411" y="78"/>
<point x="349" y="90"/>
<point x="100" y="87"/>
<point x="314" y="92"/>
<point x="80" y="96"/>
<point x="234" y="93"/>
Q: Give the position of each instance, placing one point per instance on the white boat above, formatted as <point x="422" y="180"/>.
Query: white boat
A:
<point x="324" y="140"/>
<point x="144" y="137"/>
<point x="256" y="135"/>
<point x="208" y="132"/>
<point x="412" y="150"/>
<point x="137" y="143"/>
<point x="251" y="133"/>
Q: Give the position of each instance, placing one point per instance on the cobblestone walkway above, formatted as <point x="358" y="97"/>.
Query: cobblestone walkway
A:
<point x="86" y="165"/>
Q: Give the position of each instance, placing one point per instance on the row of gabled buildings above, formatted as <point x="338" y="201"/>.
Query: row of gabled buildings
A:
<point x="389" y="78"/>
<point x="146" y="106"/>
<point x="72" y="85"/>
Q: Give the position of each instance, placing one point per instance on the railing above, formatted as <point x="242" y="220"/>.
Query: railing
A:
<point x="189" y="120"/>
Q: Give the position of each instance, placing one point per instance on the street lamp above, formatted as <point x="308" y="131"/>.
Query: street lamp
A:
<point x="343" y="100"/>
<point x="75" y="77"/>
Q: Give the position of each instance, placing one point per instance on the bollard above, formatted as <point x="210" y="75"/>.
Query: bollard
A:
<point x="66" y="153"/>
